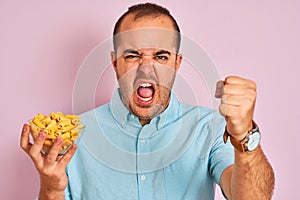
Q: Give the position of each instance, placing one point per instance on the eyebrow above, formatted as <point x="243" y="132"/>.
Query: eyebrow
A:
<point x="162" y="52"/>
<point x="130" y="51"/>
<point x="136" y="52"/>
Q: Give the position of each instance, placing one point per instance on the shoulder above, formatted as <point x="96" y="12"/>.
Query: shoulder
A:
<point x="209" y="121"/>
<point x="101" y="109"/>
<point x="94" y="115"/>
<point x="202" y="112"/>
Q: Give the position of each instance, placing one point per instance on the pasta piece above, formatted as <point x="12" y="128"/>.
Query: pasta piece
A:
<point x="73" y="116"/>
<point x="75" y="121"/>
<point x="46" y="121"/>
<point x="53" y="129"/>
<point x="41" y="117"/>
<point x="80" y="126"/>
<point x="50" y="136"/>
<point x="58" y="133"/>
<point x="74" y="132"/>
<point x="74" y="137"/>
<point x="67" y="128"/>
<point x="50" y="125"/>
<point x="48" y="142"/>
<point x="64" y="123"/>
<point x="66" y="135"/>
<point x="38" y="123"/>
<point x="60" y="114"/>
<point x="52" y="115"/>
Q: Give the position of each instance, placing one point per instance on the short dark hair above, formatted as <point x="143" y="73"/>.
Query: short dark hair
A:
<point x="146" y="9"/>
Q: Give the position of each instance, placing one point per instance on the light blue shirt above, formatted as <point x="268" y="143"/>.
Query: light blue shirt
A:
<point x="180" y="154"/>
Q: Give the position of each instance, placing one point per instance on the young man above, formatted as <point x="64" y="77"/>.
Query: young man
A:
<point x="125" y="152"/>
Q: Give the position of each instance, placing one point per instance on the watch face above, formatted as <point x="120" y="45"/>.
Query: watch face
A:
<point x="254" y="140"/>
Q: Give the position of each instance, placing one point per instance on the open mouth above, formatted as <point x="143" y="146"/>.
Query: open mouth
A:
<point x="145" y="92"/>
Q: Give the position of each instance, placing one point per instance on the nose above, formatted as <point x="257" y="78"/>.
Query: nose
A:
<point x="146" y="64"/>
<point x="146" y="68"/>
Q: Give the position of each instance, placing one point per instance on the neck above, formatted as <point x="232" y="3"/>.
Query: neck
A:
<point x="144" y="121"/>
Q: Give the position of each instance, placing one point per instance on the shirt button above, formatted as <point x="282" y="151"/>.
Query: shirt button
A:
<point x="132" y="116"/>
<point x="143" y="177"/>
<point x="143" y="141"/>
<point x="123" y="125"/>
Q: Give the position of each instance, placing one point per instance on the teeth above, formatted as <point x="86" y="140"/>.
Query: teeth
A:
<point x="146" y="99"/>
<point x="145" y="85"/>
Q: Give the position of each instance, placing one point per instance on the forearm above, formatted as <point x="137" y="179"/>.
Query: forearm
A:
<point x="46" y="194"/>
<point x="252" y="176"/>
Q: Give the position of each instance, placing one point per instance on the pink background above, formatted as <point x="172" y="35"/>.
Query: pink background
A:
<point x="43" y="43"/>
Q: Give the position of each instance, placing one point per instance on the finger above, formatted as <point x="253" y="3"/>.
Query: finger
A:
<point x="232" y="100"/>
<point x="240" y="81"/>
<point x="59" y="157"/>
<point x="24" y="140"/>
<point x="52" y="154"/>
<point x="234" y="89"/>
<point x="235" y="80"/>
<point x="63" y="162"/>
<point x="229" y="110"/>
<point x="219" y="89"/>
<point x="35" y="150"/>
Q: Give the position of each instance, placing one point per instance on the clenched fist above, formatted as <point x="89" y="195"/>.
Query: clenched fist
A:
<point x="238" y="98"/>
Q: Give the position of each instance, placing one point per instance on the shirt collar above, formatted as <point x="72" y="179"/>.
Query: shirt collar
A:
<point x="123" y="116"/>
<point x="118" y="109"/>
<point x="171" y="114"/>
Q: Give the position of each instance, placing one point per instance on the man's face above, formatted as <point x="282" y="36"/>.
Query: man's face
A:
<point x="146" y="64"/>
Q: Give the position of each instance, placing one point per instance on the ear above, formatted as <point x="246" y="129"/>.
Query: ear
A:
<point x="178" y="62"/>
<point x="113" y="60"/>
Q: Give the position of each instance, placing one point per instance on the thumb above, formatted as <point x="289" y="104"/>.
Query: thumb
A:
<point x="219" y="89"/>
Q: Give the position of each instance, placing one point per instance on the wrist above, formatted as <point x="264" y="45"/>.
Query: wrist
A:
<point x="48" y="194"/>
<point x="243" y="134"/>
<point x="248" y="143"/>
<point x="239" y="137"/>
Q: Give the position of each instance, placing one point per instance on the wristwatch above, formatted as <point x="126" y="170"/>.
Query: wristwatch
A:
<point x="250" y="141"/>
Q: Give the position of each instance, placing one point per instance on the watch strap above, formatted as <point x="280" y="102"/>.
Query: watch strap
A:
<point x="240" y="145"/>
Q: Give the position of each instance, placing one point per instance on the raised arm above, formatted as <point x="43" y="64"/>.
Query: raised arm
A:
<point x="251" y="176"/>
<point x="51" y="168"/>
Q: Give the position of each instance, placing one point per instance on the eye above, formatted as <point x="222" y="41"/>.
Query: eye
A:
<point x="131" y="56"/>
<point x="161" y="57"/>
